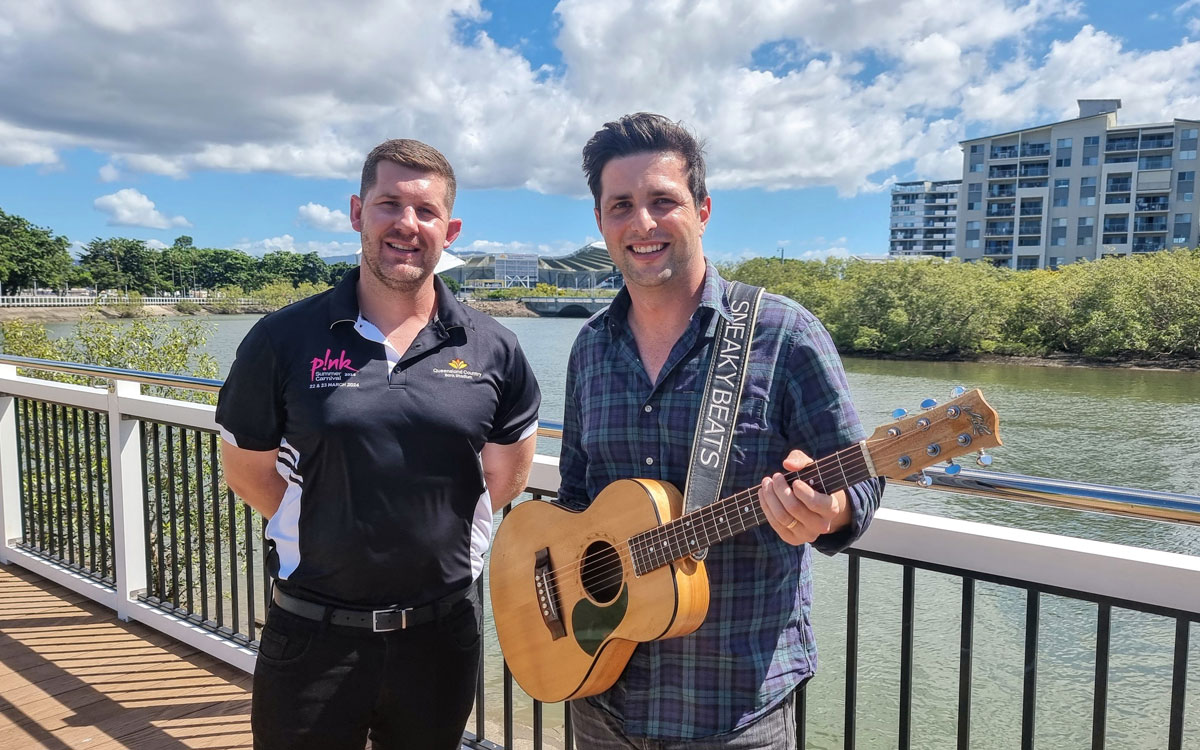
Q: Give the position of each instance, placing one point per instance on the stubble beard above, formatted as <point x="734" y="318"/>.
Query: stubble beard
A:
<point x="413" y="278"/>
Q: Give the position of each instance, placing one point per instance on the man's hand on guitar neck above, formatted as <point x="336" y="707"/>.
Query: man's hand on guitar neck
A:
<point x="797" y="512"/>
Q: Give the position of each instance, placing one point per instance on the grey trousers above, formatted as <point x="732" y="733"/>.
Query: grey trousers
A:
<point x="597" y="729"/>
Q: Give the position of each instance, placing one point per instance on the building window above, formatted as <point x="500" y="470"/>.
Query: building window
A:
<point x="1087" y="191"/>
<point x="1029" y="241"/>
<point x="1154" y="162"/>
<point x="1064" y="142"/>
<point x="1027" y="262"/>
<point x="1183" y="229"/>
<point x="974" y="196"/>
<point x="1061" y="162"/>
<point x="1186" y="186"/>
<point x="1189" y="132"/>
<point x="1061" y="192"/>
<point x="1091" y="140"/>
<point x="1187" y="155"/>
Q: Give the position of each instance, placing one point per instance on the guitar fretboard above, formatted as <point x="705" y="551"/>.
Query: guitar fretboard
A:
<point x="718" y="521"/>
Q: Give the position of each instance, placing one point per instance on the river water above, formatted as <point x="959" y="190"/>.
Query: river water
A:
<point x="1113" y="426"/>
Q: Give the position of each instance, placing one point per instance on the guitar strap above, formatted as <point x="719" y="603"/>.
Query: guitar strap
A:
<point x="721" y="399"/>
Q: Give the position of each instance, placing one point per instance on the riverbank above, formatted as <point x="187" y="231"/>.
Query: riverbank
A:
<point x="495" y="308"/>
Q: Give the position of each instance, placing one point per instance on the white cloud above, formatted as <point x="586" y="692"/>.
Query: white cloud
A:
<point x="860" y="89"/>
<point x="322" y="217"/>
<point x="156" y="244"/>
<point x="109" y="173"/>
<point x="288" y="243"/>
<point x="130" y="208"/>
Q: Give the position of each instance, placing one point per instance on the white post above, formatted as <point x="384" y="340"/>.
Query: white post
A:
<point x="11" y="522"/>
<point x="125" y="458"/>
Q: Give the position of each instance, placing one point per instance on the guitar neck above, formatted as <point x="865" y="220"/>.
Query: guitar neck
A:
<point x="728" y="517"/>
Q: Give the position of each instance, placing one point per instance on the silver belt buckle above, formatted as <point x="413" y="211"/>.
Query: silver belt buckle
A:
<point x="375" y="619"/>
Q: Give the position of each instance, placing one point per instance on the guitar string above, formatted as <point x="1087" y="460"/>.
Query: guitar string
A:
<point x="670" y="531"/>
<point x="611" y="573"/>
<point x="710" y="510"/>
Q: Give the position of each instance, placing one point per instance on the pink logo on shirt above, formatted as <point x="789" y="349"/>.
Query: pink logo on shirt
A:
<point x="328" y="363"/>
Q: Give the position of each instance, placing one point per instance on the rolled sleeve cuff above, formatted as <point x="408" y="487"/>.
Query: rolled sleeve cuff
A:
<point x="864" y="499"/>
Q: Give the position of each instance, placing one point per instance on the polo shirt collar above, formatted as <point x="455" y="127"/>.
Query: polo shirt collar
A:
<point x="344" y="308"/>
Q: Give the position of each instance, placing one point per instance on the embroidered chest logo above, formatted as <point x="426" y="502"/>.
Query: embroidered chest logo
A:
<point x="330" y="371"/>
<point x="457" y="370"/>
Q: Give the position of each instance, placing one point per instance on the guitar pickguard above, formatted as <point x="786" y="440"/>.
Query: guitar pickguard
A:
<point x="592" y="623"/>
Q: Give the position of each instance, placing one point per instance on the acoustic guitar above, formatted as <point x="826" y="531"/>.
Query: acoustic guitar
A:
<point x="574" y="592"/>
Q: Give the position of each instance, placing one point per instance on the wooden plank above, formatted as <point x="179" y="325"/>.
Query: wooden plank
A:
<point x="71" y="675"/>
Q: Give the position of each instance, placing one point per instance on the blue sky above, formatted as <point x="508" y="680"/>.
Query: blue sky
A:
<point x="245" y="127"/>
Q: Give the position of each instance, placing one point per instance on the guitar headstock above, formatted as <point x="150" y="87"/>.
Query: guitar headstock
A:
<point x="938" y="433"/>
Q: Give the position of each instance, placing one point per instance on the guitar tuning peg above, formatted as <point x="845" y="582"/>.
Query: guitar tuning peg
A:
<point x="924" y="480"/>
<point x="984" y="459"/>
<point x="957" y="391"/>
<point x="899" y="413"/>
<point x="952" y="468"/>
<point x="929" y="403"/>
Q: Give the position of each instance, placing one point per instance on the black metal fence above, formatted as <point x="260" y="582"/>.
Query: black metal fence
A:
<point x="204" y="547"/>
<point x="66" y="501"/>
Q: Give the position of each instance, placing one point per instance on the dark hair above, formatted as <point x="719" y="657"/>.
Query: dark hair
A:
<point x="414" y="155"/>
<point x="639" y="133"/>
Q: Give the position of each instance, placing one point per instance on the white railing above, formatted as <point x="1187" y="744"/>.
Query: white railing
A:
<point x="1127" y="576"/>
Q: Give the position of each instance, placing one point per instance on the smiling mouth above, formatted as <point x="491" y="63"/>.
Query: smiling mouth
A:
<point x="401" y="248"/>
<point x="646" y="249"/>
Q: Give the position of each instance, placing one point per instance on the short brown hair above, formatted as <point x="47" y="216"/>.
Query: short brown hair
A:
<point x="412" y="154"/>
<point x="640" y="133"/>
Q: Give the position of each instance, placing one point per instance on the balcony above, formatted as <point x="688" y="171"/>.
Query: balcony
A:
<point x="999" y="230"/>
<point x="1031" y="210"/>
<point x="1124" y="143"/>
<point x="1001" y="191"/>
<point x="1149" y="244"/>
<point x="1030" y="227"/>
<point x="1150" y="142"/>
<point x="999" y="210"/>
<point x="1034" y="150"/>
<point x="1035" y="170"/>
<point x="1121" y="225"/>
<point x="1118" y="186"/>
<point x="998" y="247"/>
<point x="1158" y="203"/>
<point x="1003" y="152"/>
<point x="1006" y="172"/>
<point x="1150" y="225"/>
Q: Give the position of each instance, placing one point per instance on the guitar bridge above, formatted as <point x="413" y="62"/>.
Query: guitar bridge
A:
<point x="547" y="594"/>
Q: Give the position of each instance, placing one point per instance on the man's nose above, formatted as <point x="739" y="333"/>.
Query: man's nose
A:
<point x="407" y="219"/>
<point x="643" y="221"/>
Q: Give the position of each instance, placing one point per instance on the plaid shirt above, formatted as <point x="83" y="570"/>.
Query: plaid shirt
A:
<point x="757" y="643"/>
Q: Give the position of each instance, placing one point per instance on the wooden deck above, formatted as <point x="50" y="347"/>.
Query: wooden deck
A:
<point x="73" y="676"/>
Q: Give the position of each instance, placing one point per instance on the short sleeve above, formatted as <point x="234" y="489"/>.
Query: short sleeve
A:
<point x="250" y="404"/>
<point x="520" y="398"/>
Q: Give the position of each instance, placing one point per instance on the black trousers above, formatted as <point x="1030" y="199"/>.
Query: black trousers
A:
<point x="329" y="687"/>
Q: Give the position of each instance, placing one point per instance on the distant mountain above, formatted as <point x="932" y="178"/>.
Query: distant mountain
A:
<point x="352" y="259"/>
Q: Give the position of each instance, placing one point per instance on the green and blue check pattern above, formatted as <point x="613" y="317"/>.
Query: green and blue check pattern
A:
<point x="757" y="643"/>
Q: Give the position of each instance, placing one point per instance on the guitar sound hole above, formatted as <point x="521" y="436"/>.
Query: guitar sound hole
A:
<point x="601" y="572"/>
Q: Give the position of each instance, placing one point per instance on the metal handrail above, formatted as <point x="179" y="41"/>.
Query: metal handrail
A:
<point x="1062" y="493"/>
<point x="115" y="373"/>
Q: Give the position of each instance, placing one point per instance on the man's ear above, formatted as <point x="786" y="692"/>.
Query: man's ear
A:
<point x="597" y="211"/>
<point x="453" y="229"/>
<point x="356" y="213"/>
<point x="705" y="213"/>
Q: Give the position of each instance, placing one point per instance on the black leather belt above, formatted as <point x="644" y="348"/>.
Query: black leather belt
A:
<point x="378" y="620"/>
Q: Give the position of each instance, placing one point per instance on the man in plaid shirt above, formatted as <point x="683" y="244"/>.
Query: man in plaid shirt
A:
<point x="633" y="394"/>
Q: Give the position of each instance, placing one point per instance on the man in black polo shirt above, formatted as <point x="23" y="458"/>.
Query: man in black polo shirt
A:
<point x="377" y="425"/>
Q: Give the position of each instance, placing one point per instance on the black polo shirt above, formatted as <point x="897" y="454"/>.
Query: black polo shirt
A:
<point x="385" y="501"/>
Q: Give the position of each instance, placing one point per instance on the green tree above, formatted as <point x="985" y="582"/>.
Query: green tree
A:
<point x="31" y="255"/>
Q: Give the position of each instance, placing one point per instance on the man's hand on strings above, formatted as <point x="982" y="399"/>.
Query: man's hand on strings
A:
<point x="797" y="512"/>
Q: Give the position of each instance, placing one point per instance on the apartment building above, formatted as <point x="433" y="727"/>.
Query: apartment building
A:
<point x="924" y="215"/>
<point x="1078" y="190"/>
